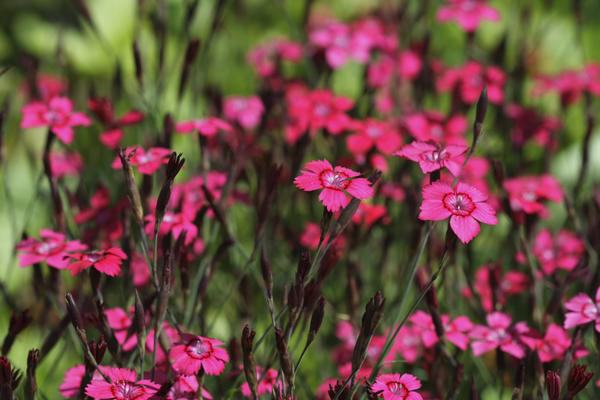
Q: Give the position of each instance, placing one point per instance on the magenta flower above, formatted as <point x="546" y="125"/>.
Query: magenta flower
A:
<point x="509" y="284"/>
<point x="563" y="250"/>
<point x="138" y="268"/>
<point x="528" y="124"/>
<point x="63" y="164"/>
<point x="246" y="111"/>
<point x="368" y="214"/>
<point x="120" y="323"/>
<point x="456" y="330"/>
<point x="335" y="182"/>
<point x="175" y="223"/>
<point x="372" y="133"/>
<point x="464" y="204"/>
<point x="499" y="333"/>
<point x="123" y="386"/>
<point x="147" y="162"/>
<point x="526" y="193"/>
<point x="103" y="109"/>
<point x="583" y="310"/>
<point x="186" y="388"/>
<point x="206" y="126"/>
<point x="467" y="13"/>
<point x="197" y="352"/>
<point x="69" y="388"/>
<point x="106" y="218"/>
<point x="470" y="79"/>
<point x="432" y="157"/>
<point x="48" y="87"/>
<point x="107" y="261"/>
<point x="396" y="387"/>
<point x="432" y="125"/>
<point x="552" y="346"/>
<point x="571" y="84"/>
<point x="54" y="249"/>
<point x="406" y="66"/>
<point x="265" y="383"/>
<point x="264" y="57"/>
<point x="57" y="114"/>
<point x="340" y="44"/>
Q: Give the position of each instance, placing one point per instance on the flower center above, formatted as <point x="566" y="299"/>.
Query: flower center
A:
<point x="94" y="256"/>
<point x="54" y="117"/>
<point x="436" y="155"/>
<point x="198" y="349"/>
<point x="47" y="247"/>
<point x="334" y="180"/>
<point x="373" y="132"/>
<point x="528" y="196"/>
<point x="459" y="204"/>
<point x="397" y="388"/>
<point x="122" y="390"/>
<point x="437" y="131"/>
<point x="322" y="110"/>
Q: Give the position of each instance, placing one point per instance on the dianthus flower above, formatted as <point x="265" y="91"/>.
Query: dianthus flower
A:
<point x="432" y="125"/>
<point x="511" y="283"/>
<point x="571" y="84"/>
<point x="396" y="387"/>
<point x="335" y="182"/>
<point x="470" y="80"/>
<point x="209" y="126"/>
<point x="147" y="162"/>
<point x="455" y="330"/>
<point x="312" y="233"/>
<point x="368" y="214"/>
<point x="186" y="388"/>
<point x="464" y="204"/>
<point x="499" y="333"/>
<point x="106" y="218"/>
<point x="526" y="193"/>
<point x="54" y="249"/>
<point x="123" y="386"/>
<point x="432" y="156"/>
<point x="340" y="44"/>
<point x="120" y="323"/>
<point x="264" y="57"/>
<point x="57" y="114"/>
<point x="175" y="223"/>
<point x="104" y="111"/>
<point x="582" y="310"/>
<point x="528" y="124"/>
<point x="372" y="133"/>
<point x="467" y="13"/>
<point x="63" y="164"/>
<point x="69" y="388"/>
<point x="563" y="250"/>
<point x="48" y="87"/>
<point x="196" y="352"/>
<point x="406" y="66"/>
<point x="246" y="111"/>
<point x="552" y="346"/>
<point x="107" y="261"/>
<point x="265" y="383"/>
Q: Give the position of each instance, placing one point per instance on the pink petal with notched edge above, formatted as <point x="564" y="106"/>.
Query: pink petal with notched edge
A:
<point x="64" y="133"/>
<point x="466" y="228"/>
<point x="483" y="212"/>
<point x="333" y="199"/>
<point x="360" y="188"/>
<point x="112" y="138"/>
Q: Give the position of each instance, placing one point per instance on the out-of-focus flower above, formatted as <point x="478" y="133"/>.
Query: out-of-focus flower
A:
<point x="104" y="111"/>
<point x="499" y="333"/>
<point x="372" y="133"/>
<point x="340" y="44"/>
<point x="264" y="58"/>
<point x="63" y="164"/>
<point x="147" y="162"/>
<point x="368" y="214"/>
<point x="186" y="388"/>
<point x="467" y="13"/>
<point x="470" y="80"/>
<point x="563" y="250"/>
<point x="552" y="346"/>
<point x="526" y="193"/>
<point x="571" y="84"/>
<point x="432" y="125"/>
<point x="57" y="114"/>
<point x="246" y="111"/>
<point x="265" y="383"/>
<point x="209" y="126"/>
<point x="511" y="283"/>
<point x="335" y="182"/>
<point x="456" y="330"/>
<point x="464" y="204"/>
<point x="582" y="310"/>
<point x="432" y="157"/>
<point x="53" y="248"/>
<point x="528" y="124"/>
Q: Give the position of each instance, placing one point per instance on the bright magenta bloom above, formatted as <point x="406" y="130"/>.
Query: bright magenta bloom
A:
<point x="335" y="182"/>
<point x="563" y="250"/>
<point x="146" y="161"/>
<point x="464" y="204"/>
<point x="265" y="56"/>
<point x="432" y="125"/>
<point x="63" y="164"/>
<point x="246" y="111"/>
<point x="372" y="133"/>
<point x="552" y="346"/>
<point x="186" y="388"/>
<point x="470" y="79"/>
<point x="265" y="384"/>
<point x="432" y="157"/>
<point x="209" y="126"/>
<point x="124" y="385"/>
<point x="467" y="13"/>
<point x="340" y="44"/>
<point x="499" y="333"/>
<point x="197" y="352"/>
<point x="71" y="382"/>
<point x="368" y="214"/>
<point x="406" y="65"/>
<point x="120" y="322"/>
<point x="396" y="387"/>
<point x="571" y="84"/>
<point x="57" y="114"/>
<point x="530" y="125"/>
<point x="526" y="193"/>
<point x="511" y="283"/>
<point x="104" y="111"/>
<point x="456" y="330"/>
<point x="583" y="310"/>
<point x="107" y="261"/>
<point x="54" y="249"/>
<point x="174" y="223"/>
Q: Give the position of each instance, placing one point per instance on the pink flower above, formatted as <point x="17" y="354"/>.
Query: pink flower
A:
<point x="107" y="261"/>
<point x="120" y="323"/>
<point x="48" y="86"/>
<point x="311" y="235"/>
<point x="63" y="164"/>
<point x="467" y="13"/>
<point x="246" y="111"/>
<point x="106" y="218"/>
<point x="209" y="126"/>
<point x="499" y="333"/>
<point x="54" y="249"/>
<point x="174" y="223"/>
<point x="57" y="114"/>
<point x="396" y="387"/>
<point x="340" y="44"/>
<point x="146" y="161"/>
<point x="335" y="182"/>
<point x="432" y="157"/>
<point x="373" y="133"/>
<point x="470" y="79"/>
<point x="571" y="84"/>
<point x="563" y="250"/>
<point x="138" y="267"/>
<point x="103" y="109"/>
<point x="432" y="125"/>
<point x="265" y="383"/>
<point x="124" y="385"/>
<point x="409" y="343"/>
<point x="186" y="388"/>
<point x="197" y="352"/>
<point x="552" y="346"/>
<point x="314" y="110"/>
<point x="464" y="204"/>
<point x="526" y="193"/>
<point x="583" y="310"/>
<point x="406" y="66"/>
<point x="455" y="331"/>
<point x="71" y="382"/>
<point x="368" y="214"/>
<point x="529" y="124"/>
<point x="264" y="57"/>
<point x="511" y="283"/>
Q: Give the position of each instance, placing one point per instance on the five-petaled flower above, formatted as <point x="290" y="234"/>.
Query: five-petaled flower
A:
<point x="432" y="156"/>
<point x="54" y="249"/>
<point x="397" y="387"/>
<point x="499" y="333"/>
<point x="464" y="204"/>
<point x="196" y="352"/>
<point x="246" y="111"/>
<point x="266" y="381"/>
<point x="209" y="126"/>
<point x="107" y="261"/>
<point x="123" y="386"/>
<point x="147" y="162"/>
<point x="104" y="111"/>
<point x="335" y="182"/>
<point x="57" y="114"/>
<point x="467" y="13"/>
<point x="582" y="309"/>
<point x="560" y="251"/>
